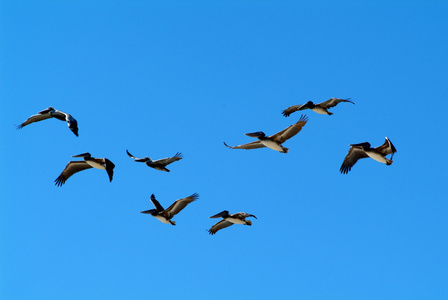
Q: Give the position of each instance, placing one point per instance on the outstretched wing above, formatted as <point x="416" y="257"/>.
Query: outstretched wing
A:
<point x="243" y="215"/>
<point x="218" y="226"/>
<point x="35" y="118"/>
<point x="386" y="148"/>
<point x="156" y="203"/>
<point x="287" y="112"/>
<point x="333" y="102"/>
<point x="291" y="131"/>
<point x="248" y="146"/>
<point x="178" y="205"/>
<point x="168" y="160"/>
<point x="136" y="158"/>
<point x="131" y="156"/>
<point x="71" y="168"/>
<point x="352" y="157"/>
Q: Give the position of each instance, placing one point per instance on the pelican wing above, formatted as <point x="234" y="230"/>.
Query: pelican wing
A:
<point x="248" y="146"/>
<point x="60" y="115"/>
<point x="178" y="205"/>
<point x="292" y="109"/>
<point x="242" y="215"/>
<point x="168" y="160"/>
<point x="35" y="118"/>
<point x="386" y="148"/>
<point x="218" y="226"/>
<point x="156" y="203"/>
<point x="136" y="158"/>
<point x="333" y="102"/>
<point x="132" y="156"/>
<point x="352" y="157"/>
<point x="291" y="131"/>
<point x="109" y="168"/>
<point x="71" y="168"/>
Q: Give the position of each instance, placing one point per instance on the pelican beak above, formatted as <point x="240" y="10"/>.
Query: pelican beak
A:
<point x="255" y="134"/>
<point x="82" y="155"/>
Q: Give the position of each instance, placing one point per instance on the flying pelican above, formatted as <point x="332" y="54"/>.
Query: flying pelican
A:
<point x="165" y="215"/>
<point x="229" y="220"/>
<point x="89" y="162"/>
<point x="52" y="113"/>
<point x="274" y="141"/>
<point x="320" y="108"/>
<point x="159" y="164"/>
<point x="362" y="150"/>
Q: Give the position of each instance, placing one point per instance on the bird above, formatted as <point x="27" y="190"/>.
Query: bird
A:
<point x="229" y="220"/>
<point x="274" y="141"/>
<point x="52" y="113"/>
<point x="88" y="162"/>
<point x="159" y="164"/>
<point x="362" y="150"/>
<point x="320" y="108"/>
<point x="165" y="215"/>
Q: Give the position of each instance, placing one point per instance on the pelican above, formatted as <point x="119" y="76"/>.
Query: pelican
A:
<point x="89" y="162"/>
<point x="229" y="220"/>
<point x="52" y="113"/>
<point x="159" y="164"/>
<point x="274" y="141"/>
<point x="362" y="150"/>
<point x="320" y="108"/>
<point x="165" y="215"/>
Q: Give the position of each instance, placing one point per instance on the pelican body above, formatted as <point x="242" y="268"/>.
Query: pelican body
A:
<point x="229" y="220"/>
<point x="159" y="164"/>
<point x="363" y="150"/>
<point x="52" y="113"/>
<point x="320" y="108"/>
<point x="165" y="215"/>
<point x="89" y="162"/>
<point x="274" y="141"/>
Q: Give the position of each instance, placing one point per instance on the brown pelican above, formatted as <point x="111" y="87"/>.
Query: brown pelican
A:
<point x="274" y="141"/>
<point x="165" y="215"/>
<point x="229" y="220"/>
<point x="157" y="164"/>
<point x="362" y="150"/>
<point x="52" y="113"/>
<point x="320" y="108"/>
<point x="89" y="162"/>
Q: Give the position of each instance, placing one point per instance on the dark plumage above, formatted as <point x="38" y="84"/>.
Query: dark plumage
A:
<point x="52" y="113"/>
<point x="274" y="141"/>
<point x="320" y="108"/>
<point x="89" y="162"/>
<point x="165" y="215"/>
<point x="363" y="150"/>
<point x="229" y="220"/>
<point x="159" y="164"/>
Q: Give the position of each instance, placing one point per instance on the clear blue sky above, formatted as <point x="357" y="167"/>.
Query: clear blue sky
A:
<point x="158" y="77"/>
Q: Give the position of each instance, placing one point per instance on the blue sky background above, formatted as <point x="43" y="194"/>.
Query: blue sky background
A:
<point x="158" y="77"/>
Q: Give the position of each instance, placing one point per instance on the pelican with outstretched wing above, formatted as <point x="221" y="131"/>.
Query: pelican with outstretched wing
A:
<point x="52" y="113"/>
<point x="165" y="215"/>
<point x="229" y="220"/>
<point x="88" y="162"/>
<point x="274" y="141"/>
<point x="320" y="108"/>
<point x="159" y="164"/>
<point x="363" y="150"/>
